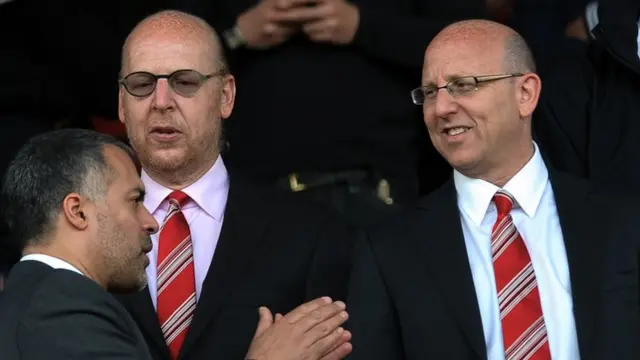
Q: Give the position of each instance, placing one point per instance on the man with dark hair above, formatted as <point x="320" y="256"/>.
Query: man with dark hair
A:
<point x="72" y="201"/>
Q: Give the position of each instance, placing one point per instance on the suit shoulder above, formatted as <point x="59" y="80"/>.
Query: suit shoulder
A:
<point x="65" y="290"/>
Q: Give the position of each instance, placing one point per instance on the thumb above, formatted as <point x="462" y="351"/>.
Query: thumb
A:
<point x="266" y="320"/>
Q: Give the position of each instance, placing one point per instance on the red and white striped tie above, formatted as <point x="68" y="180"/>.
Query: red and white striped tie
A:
<point x="523" y="329"/>
<point x="176" y="278"/>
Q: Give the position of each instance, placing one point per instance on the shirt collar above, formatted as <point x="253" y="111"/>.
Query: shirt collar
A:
<point x="54" y="262"/>
<point x="209" y="192"/>
<point x="526" y="187"/>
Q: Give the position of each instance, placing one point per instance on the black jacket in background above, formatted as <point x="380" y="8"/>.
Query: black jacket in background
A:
<point x="304" y="106"/>
<point x="588" y="119"/>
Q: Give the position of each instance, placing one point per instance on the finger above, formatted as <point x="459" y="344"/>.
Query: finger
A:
<point x="340" y="353"/>
<point x="303" y="310"/>
<point x="302" y="14"/>
<point x="279" y="317"/>
<point x="266" y="320"/>
<point x="324" y="319"/>
<point x="287" y="4"/>
<point x="325" y="343"/>
<point x="323" y="25"/>
<point x="346" y="337"/>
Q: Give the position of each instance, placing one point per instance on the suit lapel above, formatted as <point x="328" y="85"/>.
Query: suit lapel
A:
<point x="441" y="241"/>
<point x="242" y="229"/>
<point x="583" y="247"/>
<point x="142" y="310"/>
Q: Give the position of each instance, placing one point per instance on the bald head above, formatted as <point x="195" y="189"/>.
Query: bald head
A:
<point x="175" y="26"/>
<point x="488" y="37"/>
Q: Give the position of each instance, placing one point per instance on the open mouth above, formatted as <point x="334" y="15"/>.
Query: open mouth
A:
<point x="456" y="130"/>
<point x="164" y="130"/>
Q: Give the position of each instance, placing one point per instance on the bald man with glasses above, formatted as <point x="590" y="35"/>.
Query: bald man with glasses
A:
<point x="229" y="256"/>
<point x="510" y="259"/>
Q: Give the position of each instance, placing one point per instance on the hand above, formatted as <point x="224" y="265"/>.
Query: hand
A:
<point x="311" y="331"/>
<point x="259" y="28"/>
<point x="324" y="21"/>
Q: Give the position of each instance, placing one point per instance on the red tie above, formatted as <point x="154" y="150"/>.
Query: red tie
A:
<point x="523" y="330"/>
<point x="176" y="279"/>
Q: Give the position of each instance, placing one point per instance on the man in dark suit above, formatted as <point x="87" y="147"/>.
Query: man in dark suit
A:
<point x="225" y="248"/>
<point x="510" y="259"/>
<point x="588" y="119"/>
<point x="71" y="198"/>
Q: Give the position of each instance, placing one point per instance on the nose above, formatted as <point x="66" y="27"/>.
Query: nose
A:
<point x="149" y="223"/>
<point x="163" y="96"/>
<point x="445" y="104"/>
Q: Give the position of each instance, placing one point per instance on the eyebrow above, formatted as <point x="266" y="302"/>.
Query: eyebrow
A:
<point x="448" y="78"/>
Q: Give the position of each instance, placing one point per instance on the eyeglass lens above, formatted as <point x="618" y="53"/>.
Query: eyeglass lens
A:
<point x="183" y="82"/>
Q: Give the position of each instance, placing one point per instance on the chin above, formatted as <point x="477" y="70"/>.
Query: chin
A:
<point x="129" y="286"/>
<point x="461" y="161"/>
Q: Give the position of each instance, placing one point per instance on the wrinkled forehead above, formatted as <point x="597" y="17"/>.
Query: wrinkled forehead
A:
<point x="445" y="60"/>
<point x="168" y="52"/>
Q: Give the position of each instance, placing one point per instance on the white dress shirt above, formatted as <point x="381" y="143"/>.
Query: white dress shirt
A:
<point x="204" y="213"/>
<point x="54" y="262"/>
<point x="536" y="218"/>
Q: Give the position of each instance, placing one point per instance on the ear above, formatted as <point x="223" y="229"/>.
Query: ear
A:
<point x="121" y="96"/>
<point x="228" y="96"/>
<point x="76" y="210"/>
<point x="528" y="93"/>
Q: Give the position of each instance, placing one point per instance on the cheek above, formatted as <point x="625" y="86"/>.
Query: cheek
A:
<point x="429" y="117"/>
<point x="135" y="116"/>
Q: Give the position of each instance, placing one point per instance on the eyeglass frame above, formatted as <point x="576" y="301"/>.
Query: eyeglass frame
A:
<point x="479" y="79"/>
<point x="203" y="79"/>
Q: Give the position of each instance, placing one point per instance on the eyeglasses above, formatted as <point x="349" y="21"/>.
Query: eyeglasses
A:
<point x="184" y="82"/>
<point x="462" y="86"/>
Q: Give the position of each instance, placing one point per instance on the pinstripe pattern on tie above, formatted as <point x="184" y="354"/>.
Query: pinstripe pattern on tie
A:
<point x="176" y="277"/>
<point x="523" y="330"/>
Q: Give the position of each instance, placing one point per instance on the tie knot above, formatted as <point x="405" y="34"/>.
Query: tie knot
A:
<point x="177" y="198"/>
<point x="503" y="201"/>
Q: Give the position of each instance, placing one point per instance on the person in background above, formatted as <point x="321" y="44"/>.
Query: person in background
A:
<point x="510" y="259"/>
<point x="322" y="109"/>
<point x="587" y="120"/>
<point x="226" y="248"/>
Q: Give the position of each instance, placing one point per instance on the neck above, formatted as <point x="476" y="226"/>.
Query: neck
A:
<point x="87" y="266"/>
<point x="181" y="177"/>
<point x="500" y="174"/>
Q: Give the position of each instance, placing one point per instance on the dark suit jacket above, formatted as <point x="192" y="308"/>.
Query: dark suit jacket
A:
<point x="587" y="119"/>
<point x="412" y="293"/>
<point x="272" y="251"/>
<point x="59" y="315"/>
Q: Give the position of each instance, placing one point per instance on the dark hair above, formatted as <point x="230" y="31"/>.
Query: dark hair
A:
<point x="45" y="170"/>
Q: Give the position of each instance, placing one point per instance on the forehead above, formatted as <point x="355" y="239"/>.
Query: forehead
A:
<point x="126" y="174"/>
<point x="465" y="57"/>
<point x="165" y="54"/>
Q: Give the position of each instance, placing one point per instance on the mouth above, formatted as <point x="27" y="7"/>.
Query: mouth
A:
<point x="454" y="131"/>
<point x="164" y="132"/>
